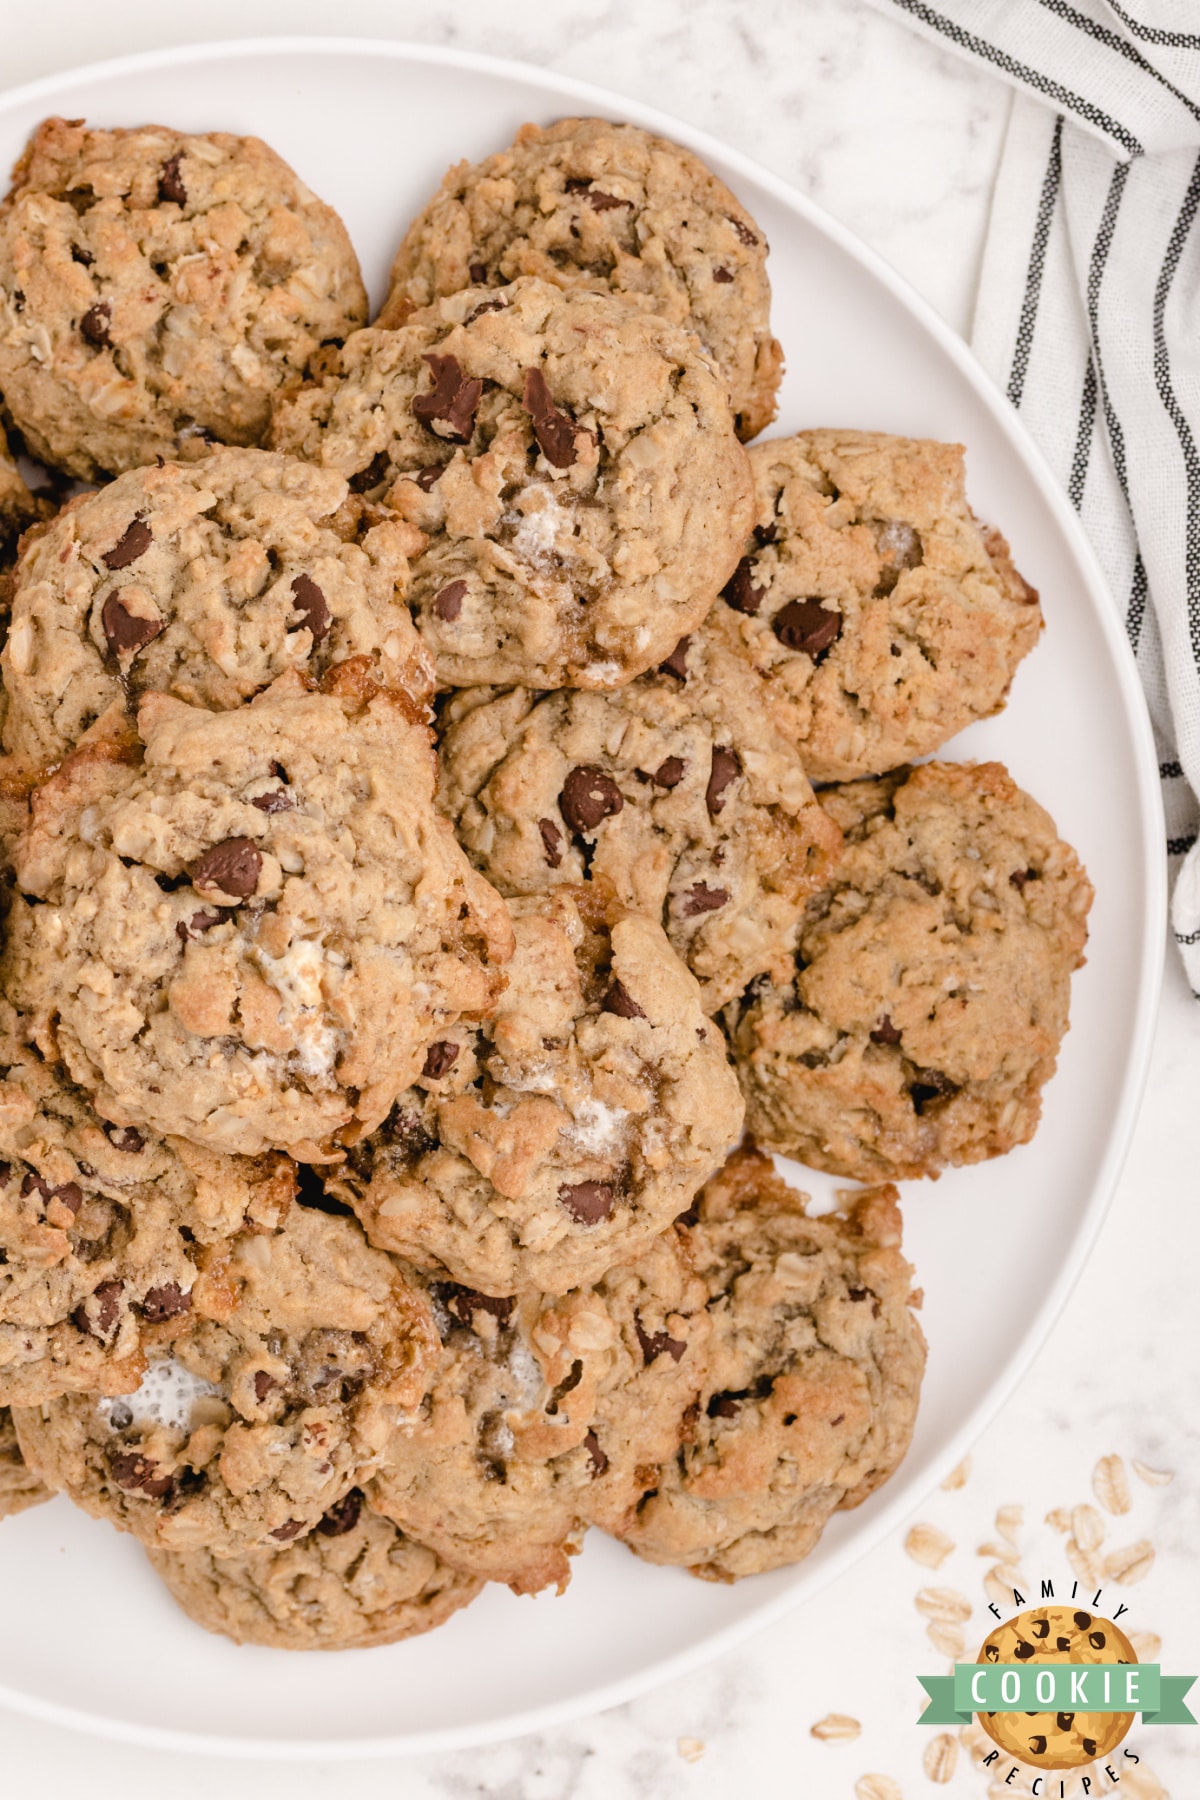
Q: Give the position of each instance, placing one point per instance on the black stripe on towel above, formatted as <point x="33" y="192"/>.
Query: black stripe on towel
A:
<point x="1051" y="182"/>
<point x="1166" y="393"/>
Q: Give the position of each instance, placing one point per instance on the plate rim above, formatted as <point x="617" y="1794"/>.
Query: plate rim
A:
<point x="1151" y="952"/>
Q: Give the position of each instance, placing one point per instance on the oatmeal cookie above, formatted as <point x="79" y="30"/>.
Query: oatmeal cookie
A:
<point x="206" y="581"/>
<point x="492" y="1471"/>
<point x="560" y="1136"/>
<point x="677" y="794"/>
<point x="606" y="208"/>
<point x="246" y="927"/>
<point x="352" y="1582"/>
<point x="19" y="1487"/>
<point x="19" y="509"/>
<point x="306" y="1348"/>
<point x="571" y="460"/>
<point x="886" y="616"/>
<point x="932" y="981"/>
<point x="814" y="1366"/>
<point x="156" y="290"/>
<point x="104" y="1233"/>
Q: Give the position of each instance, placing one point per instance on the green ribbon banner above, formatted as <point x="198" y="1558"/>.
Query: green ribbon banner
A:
<point x="1057" y="1687"/>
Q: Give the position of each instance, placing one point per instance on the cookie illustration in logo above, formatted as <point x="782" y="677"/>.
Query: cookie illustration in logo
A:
<point x="1057" y="1634"/>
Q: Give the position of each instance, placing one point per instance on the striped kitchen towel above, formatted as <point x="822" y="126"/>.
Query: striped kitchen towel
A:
<point x="1089" y="318"/>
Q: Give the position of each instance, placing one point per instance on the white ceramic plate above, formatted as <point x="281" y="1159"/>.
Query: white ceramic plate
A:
<point x="86" y="1635"/>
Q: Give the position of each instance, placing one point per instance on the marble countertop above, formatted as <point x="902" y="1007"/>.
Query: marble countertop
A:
<point x="901" y="142"/>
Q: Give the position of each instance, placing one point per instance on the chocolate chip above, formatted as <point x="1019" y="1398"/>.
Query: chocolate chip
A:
<point x="310" y="604"/>
<point x="992" y="1652"/>
<point x="486" y="306"/>
<point x="465" y="1302"/>
<point x="588" y="797"/>
<point x="669" y="774"/>
<point x="170" y="182"/>
<point x="375" y="472"/>
<point x="127" y="632"/>
<point x="656" y="1343"/>
<point x="277" y="800"/>
<point x="166" y="1302"/>
<point x="931" y="1085"/>
<point x="1089" y="1746"/>
<point x="807" y="626"/>
<point x="199" y="922"/>
<point x="599" y="201"/>
<point x="70" y="1193"/>
<point x="83" y="257"/>
<point x="885" y="1032"/>
<point x="428" y="478"/>
<point x="136" y="1473"/>
<point x="723" y="275"/>
<point x="725" y="769"/>
<point x="1019" y="877"/>
<point x="766" y="534"/>
<point x="723" y="1406"/>
<point x="440" y="1058"/>
<point x="1065" y="1721"/>
<point x="451" y="400"/>
<point x="551" y="842"/>
<point x="133" y="542"/>
<point x="291" y="1528"/>
<point x="588" y="1202"/>
<point x="107" y="1303"/>
<point x="857" y="1293"/>
<point x="1023" y="1652"/>
<point x="744" y="232"/>
<point x="554" y="430"/>
<point x="597" y="1461"/>
<point x="342" y="1516"/>
<point x="18" y="300"/>
<point x="1096" y="1639"/>
<point x="263" y="1383"/>
<point x="702" y="899"/>
<point x="1041" y="1628"/>
<point x="95" y="323"/>
<point x="448" y="603"/>
<point x="126" y="1137"/>
<point x="676" y="663"/>
<point x="1083" y="1620"/>
<point x="740" y="592"/>
<point x="620" y="1001"/>
<point x="232" y="867"/>
<point x="478" y="273"/>
<point x="1037" y="1745"/>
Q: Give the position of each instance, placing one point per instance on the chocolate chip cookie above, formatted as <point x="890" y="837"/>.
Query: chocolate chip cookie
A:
<point x="886" y="616"/>
<point x="246" y="927"/>
<point x="157" y="288"/>
<point x="206" y="581"/>
<point x="104" y="1233"/>
<point x="19" y="1487"/>
<point x="932" y="981"/>
<point x="306" y="1348"/>
<point x="561" y="1135"/>
<point x="814" y="1366"/>
<point x="1057" y="1634"/>
<point x="492" y="1470"/>
<point x="18" y="510"/>
<point x="351" y="1583"/>
<point x="677" y="794"/>
<point x="572" y="461"/>
<point x="606" y="208"/>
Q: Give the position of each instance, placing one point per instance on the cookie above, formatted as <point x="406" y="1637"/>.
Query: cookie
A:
<point x="19" y="509"/>
<point x="492" y="1470"/>
<point x="572" y="461"/>
<point x="677" y="794"/>
<point x="885" y="615"/>
<point x="606" y="208"/>
<point x="104" y="1233"/>
<point x="157" y="289"/>
<point x="246" y="927"/>
<point x="814" y="1366"/>
<point x="351" y="1583"/>
<point x="207" y="581"/>
<point x="1057" y="1634"/>
<point x="19" y="1488"/>
<point x="306" y="1348"/>
<point x="562" y="1135"/>
<point x="931" y="988"/>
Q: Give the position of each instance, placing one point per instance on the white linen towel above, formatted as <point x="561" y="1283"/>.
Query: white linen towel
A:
<point x="1088" y="317"/>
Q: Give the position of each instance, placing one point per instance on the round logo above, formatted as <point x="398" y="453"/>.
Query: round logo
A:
<point x="1057" y="1634"/>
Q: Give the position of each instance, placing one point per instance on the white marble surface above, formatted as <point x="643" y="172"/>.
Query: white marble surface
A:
<point x="900" y="142"/>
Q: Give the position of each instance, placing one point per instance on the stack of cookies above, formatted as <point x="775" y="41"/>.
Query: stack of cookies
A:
<point x="451" y="789"/>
